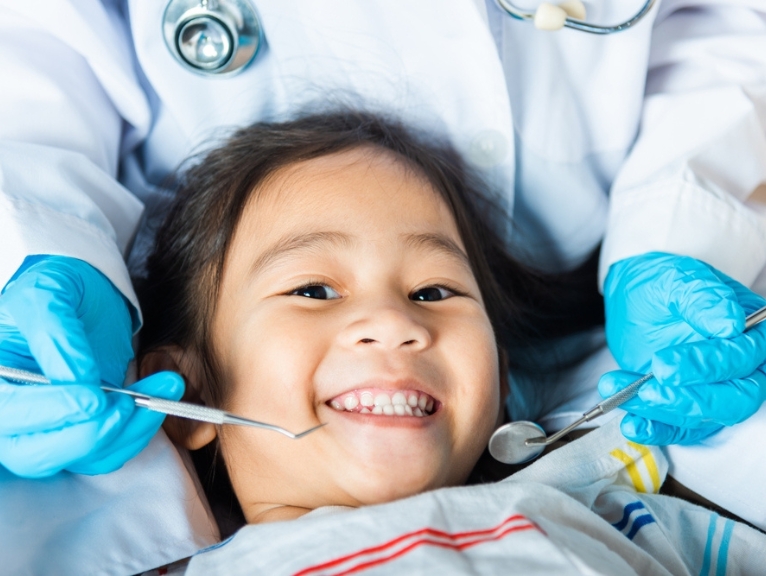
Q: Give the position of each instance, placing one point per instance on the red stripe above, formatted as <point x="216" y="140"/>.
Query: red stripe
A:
<point x="451" y="545"/>
<point x="418" y="533"/>
<point x="395" y="541"/>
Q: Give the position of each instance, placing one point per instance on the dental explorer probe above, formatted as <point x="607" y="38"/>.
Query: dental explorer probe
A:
<point x="170" y="407"/>
<point x="521" y="441"/>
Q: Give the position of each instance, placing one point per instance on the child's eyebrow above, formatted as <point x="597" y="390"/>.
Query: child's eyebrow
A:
<point x="298" y="242"/>
<point x="289" y="245"/>
<point x="438" y="243"/>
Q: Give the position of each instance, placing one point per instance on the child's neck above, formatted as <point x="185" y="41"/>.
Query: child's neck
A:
<point x="262" y="513"/>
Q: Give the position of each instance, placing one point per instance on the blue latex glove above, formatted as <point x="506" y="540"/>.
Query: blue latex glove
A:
<point x="63" y="318"/>
<point x="665" y="415"/>
<point x="683" y="320"/>
<point x="77" y="427"/>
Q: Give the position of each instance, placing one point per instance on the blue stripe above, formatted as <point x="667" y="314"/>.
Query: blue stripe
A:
<point x="708" y="545"/>
<point x="215" y="546"/>
<point x="723" y="549"/>
<point x="626" y="514"/>
<point x="639" y="523"/>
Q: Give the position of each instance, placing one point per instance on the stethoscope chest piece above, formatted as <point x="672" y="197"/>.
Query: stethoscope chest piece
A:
<point x="212" y="36"/>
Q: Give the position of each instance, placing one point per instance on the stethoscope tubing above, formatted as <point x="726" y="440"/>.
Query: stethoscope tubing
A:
<point x="518" y="14"/>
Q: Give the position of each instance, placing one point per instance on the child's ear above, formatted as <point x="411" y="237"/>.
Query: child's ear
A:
<point x="184" y="432"/>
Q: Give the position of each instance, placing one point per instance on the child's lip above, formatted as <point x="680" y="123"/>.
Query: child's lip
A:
<point x="403" y="398"/>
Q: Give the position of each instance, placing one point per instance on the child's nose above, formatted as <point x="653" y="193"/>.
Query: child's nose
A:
<point x="388" y="328"/>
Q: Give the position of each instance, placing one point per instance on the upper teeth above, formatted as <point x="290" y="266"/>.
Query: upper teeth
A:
<point x="399" y="403"/>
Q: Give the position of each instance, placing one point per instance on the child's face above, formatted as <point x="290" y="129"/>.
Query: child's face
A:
<point x="346" y="284"/>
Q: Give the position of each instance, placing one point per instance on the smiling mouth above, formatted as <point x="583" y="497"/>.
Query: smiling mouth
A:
<point x="385" y="403"/>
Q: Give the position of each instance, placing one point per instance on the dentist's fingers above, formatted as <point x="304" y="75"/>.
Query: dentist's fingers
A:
<point x="137" y="432"/>
<point x="31" y="409"/>
<point x="167" y="385"/>
<point x="38" y="455"/>
<point x="115" y="452"/>
<point x="711" y="360"/>
<point x="721" y="403"/>
<point x="700" y="297"/>
<point x="42" y="309"/>
<point x="643" y="431"/>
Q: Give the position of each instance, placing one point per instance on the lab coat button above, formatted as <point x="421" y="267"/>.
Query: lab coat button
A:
<point x="489" y="148"/>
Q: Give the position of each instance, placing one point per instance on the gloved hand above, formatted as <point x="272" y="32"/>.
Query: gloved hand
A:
<point x="63" y="318"/>
<point x="684" y="414"/>
<point x="76" y="427"/>
<point x="682" y="320"/>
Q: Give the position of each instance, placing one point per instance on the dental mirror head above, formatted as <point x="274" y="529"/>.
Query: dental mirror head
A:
<point x="508" y="443"/>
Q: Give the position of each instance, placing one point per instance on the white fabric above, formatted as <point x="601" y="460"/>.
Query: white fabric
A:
<point x="146" y="514"/>
<point x="728" y="468"/>
<point x="587" y="508"/>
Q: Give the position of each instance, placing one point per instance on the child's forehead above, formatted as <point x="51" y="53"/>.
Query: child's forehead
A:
<point x="362" y="182"/>
<point x="367" y="197"/>
<point x="359" y="161"/>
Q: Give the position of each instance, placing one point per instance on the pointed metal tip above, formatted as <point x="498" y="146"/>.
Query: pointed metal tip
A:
<point x="309" y="431"/>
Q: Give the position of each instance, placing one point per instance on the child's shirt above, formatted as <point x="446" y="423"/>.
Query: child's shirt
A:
<point x="590" y="507"/>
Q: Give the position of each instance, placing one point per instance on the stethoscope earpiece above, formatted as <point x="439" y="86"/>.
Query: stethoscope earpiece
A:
<point x="212" y="36"/>
<point x="569" y="14"/>
<point x="553" y="17"/>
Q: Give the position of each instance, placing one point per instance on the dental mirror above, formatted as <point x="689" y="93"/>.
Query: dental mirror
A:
<point x="509" y="443"/>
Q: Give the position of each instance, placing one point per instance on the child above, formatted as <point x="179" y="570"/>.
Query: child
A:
<point x="338" y="270"/>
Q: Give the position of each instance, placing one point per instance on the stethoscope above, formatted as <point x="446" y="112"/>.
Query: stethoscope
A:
<point x="222" y="37"/>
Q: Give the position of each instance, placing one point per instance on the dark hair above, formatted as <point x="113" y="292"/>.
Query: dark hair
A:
<point x="178" y="297"/>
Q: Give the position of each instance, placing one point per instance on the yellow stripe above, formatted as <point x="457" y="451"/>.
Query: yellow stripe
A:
<point x="651" y="464"/>
<point x="630" y="466"/>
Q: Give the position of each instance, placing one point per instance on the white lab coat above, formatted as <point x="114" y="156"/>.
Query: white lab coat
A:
<point x="650" y="139"/>
<point x="559" y="122"/>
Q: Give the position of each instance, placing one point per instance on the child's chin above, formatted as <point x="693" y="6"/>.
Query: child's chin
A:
<point x="395" y="484"/>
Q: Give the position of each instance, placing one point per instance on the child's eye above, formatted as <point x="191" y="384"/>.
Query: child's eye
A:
<point x="432" y="294"/>
<point x="317" y="291"/>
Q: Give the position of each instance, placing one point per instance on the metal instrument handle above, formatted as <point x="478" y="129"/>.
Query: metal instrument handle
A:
<point x="182" y="409"/>
<point x="169" y="407"/>
<point x="22" y="376"/>
<point x="620" y="397"/>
